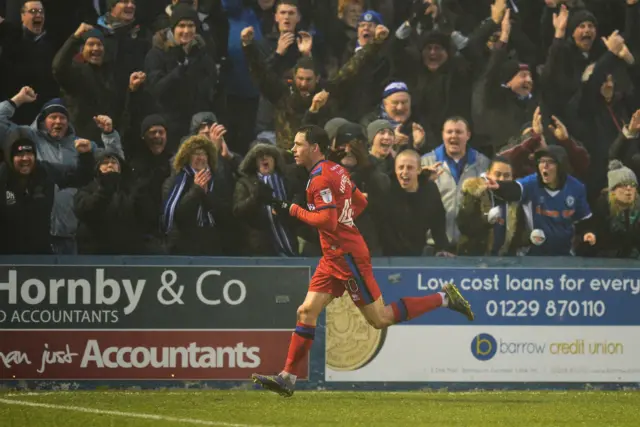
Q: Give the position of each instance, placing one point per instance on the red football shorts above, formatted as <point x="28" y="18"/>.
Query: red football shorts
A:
<point x="355" y="275"/>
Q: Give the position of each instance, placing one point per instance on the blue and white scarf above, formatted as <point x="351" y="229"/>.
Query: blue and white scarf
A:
<point x="280" y="239"/>
<point x="205" y="219"/>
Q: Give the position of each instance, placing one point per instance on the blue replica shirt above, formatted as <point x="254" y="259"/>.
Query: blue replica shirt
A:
<point x="554" y="212"/>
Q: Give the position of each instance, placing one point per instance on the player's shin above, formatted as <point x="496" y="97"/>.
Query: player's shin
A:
<point x="408" y="308"/>
<point x="299" y="347"/>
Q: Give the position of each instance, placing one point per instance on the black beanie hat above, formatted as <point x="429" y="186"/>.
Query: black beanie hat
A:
<point x="510" y="68"/>
<point x="577" y="17"/>
<point x="183" y="12"/>
<point x="93" y="33"/>
<point x="151" y="121"/>
<point x="22" y="145"/>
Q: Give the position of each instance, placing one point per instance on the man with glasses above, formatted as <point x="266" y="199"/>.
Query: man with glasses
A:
<point x="26" y="53"/>
<point x="555" y="204"/>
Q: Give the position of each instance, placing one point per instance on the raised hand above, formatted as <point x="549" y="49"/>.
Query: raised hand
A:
<point x="285" y="40"/>
<point x="305" y="43"/>
<point x="247" y="35"/>
<point x="560" y="21"/>
<point x="559" y="129"/>
<point x="615" y="43"/>
<point x="104" y="123"/>
<point x="498" y="9"/>
<point x="26" y="96"/>
<point x="202" y="179"/>
<point x="381" y="34"/>
<point x="536" y="124"/>
<point x="83" y="28"/>
<point x="434" y="171"/>
<point x="136" y="79"/>
<point x="319" y="100"/>
<point x="82" y="145"/>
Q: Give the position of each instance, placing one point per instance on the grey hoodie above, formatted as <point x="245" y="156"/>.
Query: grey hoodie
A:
<point x="59" y="152"/>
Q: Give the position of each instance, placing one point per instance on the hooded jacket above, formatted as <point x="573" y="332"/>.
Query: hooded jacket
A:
<point x="184" y="233"/>
<point x="249" y="204"/>
<point x="109" y="212"/>
<point x="27" y="203"/>
<point x="477" y="233"/>
<point x="59" y="152"/>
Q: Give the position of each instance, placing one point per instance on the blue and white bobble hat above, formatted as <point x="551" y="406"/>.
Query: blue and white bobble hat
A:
<point x="394" y="87"/>
<point x="371" y="16"/>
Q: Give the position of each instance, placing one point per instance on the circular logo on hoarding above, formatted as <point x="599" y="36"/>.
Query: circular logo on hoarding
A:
<point x="484" y="347"/>
<point x="351" y="341"/>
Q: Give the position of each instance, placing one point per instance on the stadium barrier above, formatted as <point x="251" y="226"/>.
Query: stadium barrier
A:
<point x="155" y="322"/>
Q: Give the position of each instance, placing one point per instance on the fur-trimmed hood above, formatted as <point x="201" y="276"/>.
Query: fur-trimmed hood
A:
<point x="248" y="166"/>
<point x="183" y="157"/>
<point x="474" y="186"/>
<point x="164" y="40"/>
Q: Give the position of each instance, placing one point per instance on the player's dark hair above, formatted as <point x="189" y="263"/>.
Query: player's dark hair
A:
<point x="499" y="159"/>
<point x="306" y="63"/>
<point x="459" y="119"/>
<point x="316" y="135"/>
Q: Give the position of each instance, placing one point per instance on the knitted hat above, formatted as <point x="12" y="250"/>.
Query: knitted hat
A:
<point x="371" y="16"/>
<point x="56" y="105"/>
<point x="394" y="87"/>
<point x="93" y="33"/>
<point x="510" y="68"/>
<point x="577" y="17"/>
<point x="377" y="126"/>
<point x="332" y="126"/>
<point x="620" y="174"/>
<point x="22" y="145"/>
<point x="183" y="12"/>
<point x="348" y="132"/>
<point x="151" y="121"/>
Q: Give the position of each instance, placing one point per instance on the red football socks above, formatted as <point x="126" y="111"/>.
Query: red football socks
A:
<point x="408" y="308"/>
<point x="299" y="347"/>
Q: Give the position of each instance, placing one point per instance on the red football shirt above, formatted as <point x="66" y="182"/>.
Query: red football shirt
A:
<point x="330" y="187"/>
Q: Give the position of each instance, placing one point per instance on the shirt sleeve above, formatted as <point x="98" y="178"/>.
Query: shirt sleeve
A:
<point x="583" y="211"/>
<point x="527" y="184"/>
<point x="322" y="193"/>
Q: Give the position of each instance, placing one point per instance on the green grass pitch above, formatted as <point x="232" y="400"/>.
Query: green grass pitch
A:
<point x="242" y="408"/>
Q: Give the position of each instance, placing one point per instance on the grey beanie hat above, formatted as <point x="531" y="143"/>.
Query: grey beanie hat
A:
<point x="620" y="174"/>
<point x="331" y="127"/>
<point x="377" y="126"/>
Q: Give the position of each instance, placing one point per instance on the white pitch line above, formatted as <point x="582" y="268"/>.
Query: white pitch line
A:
<point x="125" y="414"/>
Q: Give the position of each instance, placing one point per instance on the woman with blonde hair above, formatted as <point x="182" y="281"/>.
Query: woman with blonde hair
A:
<point x="617" y="214"/>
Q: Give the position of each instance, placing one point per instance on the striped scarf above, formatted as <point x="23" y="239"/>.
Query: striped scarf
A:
<point x="169" y="209"/>
<point x="280" y="239"/>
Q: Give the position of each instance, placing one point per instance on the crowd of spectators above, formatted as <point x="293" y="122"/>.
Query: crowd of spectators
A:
<point x="473" y="127"/>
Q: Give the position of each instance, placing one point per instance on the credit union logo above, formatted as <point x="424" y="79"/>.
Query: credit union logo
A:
<point x="484" y="347"/>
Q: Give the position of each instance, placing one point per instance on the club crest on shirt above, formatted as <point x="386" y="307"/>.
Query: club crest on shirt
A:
<point x="570" y="201"/>
<point x="327" y="197"/>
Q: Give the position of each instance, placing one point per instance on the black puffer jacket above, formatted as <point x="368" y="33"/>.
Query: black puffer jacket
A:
<point x="109" y="213"/>
<point x="88" y="90"/>
<point x="27" y="202"/>
<point x="182" y="84"/>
